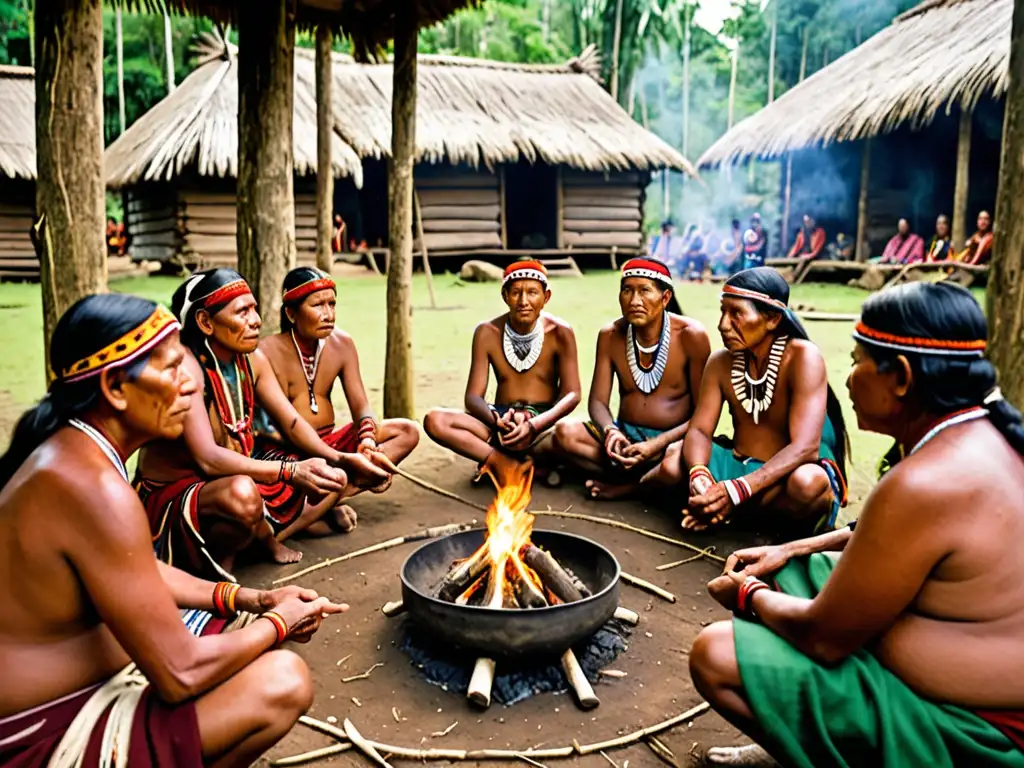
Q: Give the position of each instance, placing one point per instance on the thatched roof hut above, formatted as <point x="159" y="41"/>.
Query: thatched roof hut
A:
<point x="477" y="121"/>
<point x="941" y="55"/>
<point x="17" y="171"/>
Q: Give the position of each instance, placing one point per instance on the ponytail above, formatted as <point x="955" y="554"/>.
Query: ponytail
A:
<point x="1007" y="419"/>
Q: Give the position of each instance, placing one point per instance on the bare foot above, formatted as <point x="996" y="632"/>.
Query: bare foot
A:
<point x="383" y="486"/>
<point x="341" y="519"/>
<point x="282" y="554"/>
<point x="607" y="492"/>
<point x="752" y="755"/>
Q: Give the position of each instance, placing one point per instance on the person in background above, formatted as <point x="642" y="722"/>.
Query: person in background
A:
<point x="755" y="244"/>
<point x="841" y="250"/>
<point x="338" y="239"/>
<point x="904" y="247"/>
<point x="661" y="244"/>
<point x="979" y="245"/>
<point x="695" y="257"/>
<point x="729" y="259"/>
<point x="941" y="246"/>
<point x="810" y="241"/>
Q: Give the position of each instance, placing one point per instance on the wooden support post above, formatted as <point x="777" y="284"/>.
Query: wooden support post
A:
<point x="560" y="223"/>
<point x="119" y="45"/>
<point x="324" y="139"/>
<point x="963" y="178"/>
<point x="266" y="198"/>
<point x="70" y="198"/>
<point x="787" y="198"/>
<point x="861" y="246"/>
<point x="1005" y="295"/>
<point x="502" y="208"/>
<point x="423" y="248"/>
<point x="398" y="369"/>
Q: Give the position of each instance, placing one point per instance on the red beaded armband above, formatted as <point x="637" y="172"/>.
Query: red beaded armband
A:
<point x="279" y="624"/>
<point x="367" y="429"/>
<point x="224" y="593"/>
<point x="748" y="588"/>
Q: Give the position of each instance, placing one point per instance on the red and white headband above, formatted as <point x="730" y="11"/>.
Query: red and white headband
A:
<point x="525" y="270"/>
<point x="318" y="283"/>
<point x="652" y="270"/>
<point x="733" y="292"/>
<point x="919" y="345"/>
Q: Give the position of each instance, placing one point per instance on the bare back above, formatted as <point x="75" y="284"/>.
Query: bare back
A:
<point x="52" y="642"/>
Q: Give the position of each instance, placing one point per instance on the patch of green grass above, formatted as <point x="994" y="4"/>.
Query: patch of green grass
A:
<point x="441" y="337"/>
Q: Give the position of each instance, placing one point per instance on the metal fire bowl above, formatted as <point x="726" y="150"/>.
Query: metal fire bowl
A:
<point x="509" y="633"/>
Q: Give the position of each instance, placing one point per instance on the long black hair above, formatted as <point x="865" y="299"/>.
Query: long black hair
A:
<point x="943" y="383"/>
<point x="295" y="278"/>
<point x="769" y="283"/>
<point x="190" y="297"/>
<point x="90" y="325"/>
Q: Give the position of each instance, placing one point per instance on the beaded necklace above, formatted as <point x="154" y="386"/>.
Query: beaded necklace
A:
<point x="237" y="422"/>
<point x="105" y="445"/>
<point x="522" y="350"/>
<point x="755" y="395"/>
<point x="309" y="365"/>
<point x="648" y="379"/>
<point x="970" y="414"/>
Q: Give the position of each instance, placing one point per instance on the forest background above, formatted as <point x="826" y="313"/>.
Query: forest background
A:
<point x="685" y="82"/>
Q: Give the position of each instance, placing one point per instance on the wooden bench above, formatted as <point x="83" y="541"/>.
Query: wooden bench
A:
<point x="962" y="274"/>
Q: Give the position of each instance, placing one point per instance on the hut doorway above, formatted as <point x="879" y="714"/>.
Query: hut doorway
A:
<point x="365" y="210"/>
<point x="531" y="206"/>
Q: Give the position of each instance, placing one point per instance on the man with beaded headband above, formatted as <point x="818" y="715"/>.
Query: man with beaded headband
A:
<point x="98" y="667"/>
<point x="533" y="356"/>
<point x="206" y="495"/>
<point x="788" y="449"/>
<point x="307" y="357"/>
<point x="907" y="649"/>
<point x="657" y="355"/>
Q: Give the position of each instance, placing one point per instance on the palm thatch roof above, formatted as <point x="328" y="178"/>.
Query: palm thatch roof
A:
<point x="17" y="122"/>
<point x="468" y="111"/>
<point x="937" y="56"/>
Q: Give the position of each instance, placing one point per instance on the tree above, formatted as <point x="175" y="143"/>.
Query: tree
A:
<point x="1006" y="283"/>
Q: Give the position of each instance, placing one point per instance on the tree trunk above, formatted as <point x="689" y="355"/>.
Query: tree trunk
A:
<point x="732" y="83"/>
<point x="963" y="178"/>
<point x="686" y="83"/>
<point x="771" y="51"/>
<point x="119" y="44"/>
<point x="1006" y="282"/>
<point x="616" y="48"/>
<point x="69" y="154"/>
<point x="860" y="246"/>
<point x="324" y="136"/>
<point x="803" y="52"/>
<point x="266" y="201"/>
<point x="398" y="370"/>
<point x="169" y="52"/>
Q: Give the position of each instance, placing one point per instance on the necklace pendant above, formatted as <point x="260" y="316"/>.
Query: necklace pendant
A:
<point x="313" y="407"/>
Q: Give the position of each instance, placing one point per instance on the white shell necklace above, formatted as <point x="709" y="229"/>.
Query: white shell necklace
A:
<point x="647" y="380"/>
<point x="952" y="421"/>
<point x="523" y="350"/>
<point x="755" y="395"/>
<point x="309" y="371"/>
<point x="105" y="445"/>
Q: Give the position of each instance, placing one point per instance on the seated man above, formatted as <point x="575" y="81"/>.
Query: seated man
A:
<point x="904" y="248"/>
<point x="90" y="617"/>
<point x="906" y="650"/>
<point x="657" y="356"/>
<point x="978" y="248"/>
<point x="533" y="355"/>
<point x="307" y="357"/>
<point x="755" y="244"/>
<point x="941" y="246"/>
<point x="207" y="498"/>
<point x="810" y="241"/>
<point x="787" y="452"/>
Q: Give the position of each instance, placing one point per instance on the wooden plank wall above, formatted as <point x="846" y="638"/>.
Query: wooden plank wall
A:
<point x="17" y="256"/>
<point x="151" y="218"/>
<point x="461" y="209"/>
<point x="603" y="210"/>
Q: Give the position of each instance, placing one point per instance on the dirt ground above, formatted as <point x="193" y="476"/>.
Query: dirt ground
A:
<point x="657" y="685"/>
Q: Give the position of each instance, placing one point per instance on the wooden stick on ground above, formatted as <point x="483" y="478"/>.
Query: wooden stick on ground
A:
<point x="395" y="469"/>
<point x="364" y="746"/>
<point x="363" y="676"/>
<point x="316" y="754"/>
<point x="646" y="585"/>
<point x="326" y="728"/>
<point x="481" y="682"/>
<point x="585" y="695"/>
<point x="651" y="730"/>
<point x="626" y="615"/>
<point x="429" y="533"/>
<point x="677" y="563"/>
<point x="628" y="527"/>
<point x="663" y="752"/>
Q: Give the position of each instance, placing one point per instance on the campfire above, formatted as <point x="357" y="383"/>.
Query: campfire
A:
<point x="508" y="571"/>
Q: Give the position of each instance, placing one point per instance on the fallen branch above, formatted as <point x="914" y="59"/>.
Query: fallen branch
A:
<point x="363" y="676"/>
<point x="364" y="746"/>
<point x="610" y="761"/>
<point x="628" y="527"/>
<point x="677" y="563"/>
<point x="663" y="752"/>
<point x="525" y="759"/>
<point x="643" y="733"/>
<point x="395" y="469"/>
<point x="646" y="585"/>
<point x="445" y="732"/>
<point x="429" y="533"/>
<point x="316" y="754"/>
<point x="326" y="728"/>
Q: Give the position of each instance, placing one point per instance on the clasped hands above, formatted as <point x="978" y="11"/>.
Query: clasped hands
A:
<point x="709" y="505"/>
<point x="516" y="430"/>
<point x="628" y="454"/>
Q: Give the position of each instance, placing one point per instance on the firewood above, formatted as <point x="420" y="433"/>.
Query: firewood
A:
<point x="392" y="609"/>
<point x="578" y="582"/>
<point x="578" y="681"/>
<point x="481" y="682"/>
<point x="308" y="757"/>
<point x="363" y="745"/>
<point x="646" y="585"/>
<point x="472" y="591"/>
<point x="527" y="592"/>
<point x="551" y="573"/>
<point x="626" y="615"/>
<point x="462" y="576"/>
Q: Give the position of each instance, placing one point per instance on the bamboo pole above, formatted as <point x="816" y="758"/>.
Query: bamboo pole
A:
<point x="119" y="43"/>
<point x="616" y="48"/>
<point x="324" y="138"/>
<point x="861" y="246"/>
<point x="787" y="201"/>
<point x="418" y="209"/>
<point x="963" y="177"/>
<point x="169" y="52"/>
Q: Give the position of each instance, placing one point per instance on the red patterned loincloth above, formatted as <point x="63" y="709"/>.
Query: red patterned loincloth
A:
<point x="162" y="736"/>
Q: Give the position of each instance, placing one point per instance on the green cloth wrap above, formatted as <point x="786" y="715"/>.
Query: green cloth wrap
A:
<point x="857" y="713"/>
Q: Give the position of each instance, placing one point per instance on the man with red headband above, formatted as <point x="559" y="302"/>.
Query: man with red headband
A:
<point x="533" y="355"/>
<point x="207" y="497"/>
<point x="657" y="356"/>
<point x="307" y="357"/>
<point x="787" y="451"/>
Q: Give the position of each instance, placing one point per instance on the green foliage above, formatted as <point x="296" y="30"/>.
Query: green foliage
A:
<point x="502" y="30"/>
<point x="15" y="43"/>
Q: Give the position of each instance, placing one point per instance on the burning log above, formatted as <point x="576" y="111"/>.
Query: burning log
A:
<point x="551" y="574"/>
<point x="528" y="593"/>
<point x="463" y="575"/>
<point x="474" y="588"/>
